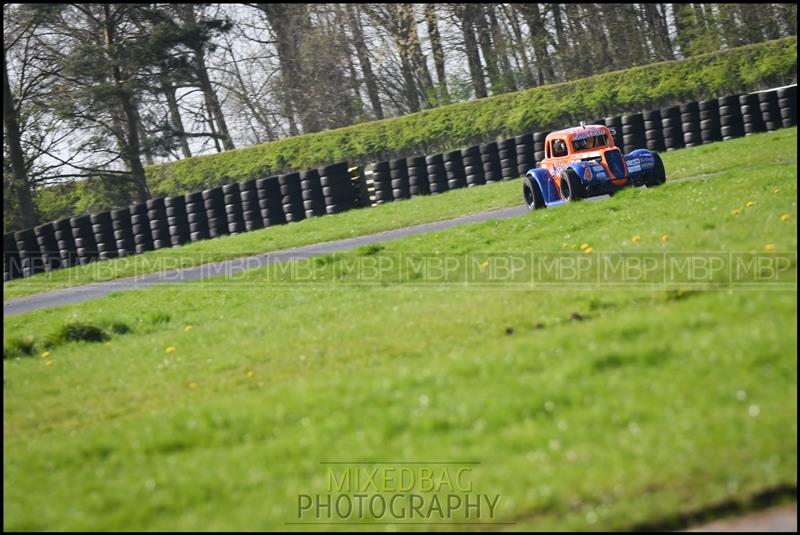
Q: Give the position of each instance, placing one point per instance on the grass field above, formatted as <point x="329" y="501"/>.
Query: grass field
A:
<point x="210" y="405"/>
<point x="747" y="155"/>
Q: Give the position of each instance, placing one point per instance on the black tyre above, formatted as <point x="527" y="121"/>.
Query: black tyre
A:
<point x="532" y="194"/>
<point x="571" y="186"/>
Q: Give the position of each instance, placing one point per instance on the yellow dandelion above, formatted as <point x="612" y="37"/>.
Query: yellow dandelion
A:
<point x="170" y="349"/>
<point x="588" y="250"/>
<point x="484" y="265"/>
<point x="187" y="328"/>
<point x="776" y="190"/>
<point x="251" y="374"/>
<point x="665" y="237"/>
<point x="769" y="247"/>
<point x="107" y="344"/>
<point x="584" y="246"/>
<point x="45" y="354"/>
<point x="192" y="385"/>
<point x="564" y="245"/>
<point x="749" y="204"/>
<point x="48" y="363"/>
<point x="736" y="211"/>
<point x="636" y="239"/>
<point x="785" y="217"/>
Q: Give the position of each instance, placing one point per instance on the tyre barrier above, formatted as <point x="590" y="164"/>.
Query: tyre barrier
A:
<point x="490" y="161"/>
<point x="196" y="216"/>
<point x="417" y="176"/>
<point x="653" y="131"/>
<point x="507" y="154"/>
<point x="123" y="232"/>
<point x="337" y="188"/>
<point x="398" y="172"/>
<point x="454" y="170"/>
<point x="214" y="204"/>
<point x="632" y="132"/>
<point x="473" y="169"/>
<point x="787" y="103"/>
<point x="159" y="226"/>
<point x="12" y="263"/>
<point x="538" y="145"/>
<point x="709" y="121"/>
<point x="275" y="200"/>
<point x="232" y="208"/>
<point x="104" y="235"/>
<point x="31" y="261"/>
<point x="730" y="117"/>
<point x="140" y="228"/>
<point x="382" y="182"/>
<point x="437" y="179"/>
<point x="269" y="201"/>
<point x="311" y="192"/>
<point x="525" y="153"/>
<point x="65" y="242"/>
<point x="46" y="240"/>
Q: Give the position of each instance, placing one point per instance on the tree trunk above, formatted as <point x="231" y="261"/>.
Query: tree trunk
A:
<point x="174" y="113"/>
<point x="22" y="187"/>
<point x="489" y="52"/>
<point x="437" y="51"/>
<point x="466" y="14"/>
<point x="363" y="60"/>
<point x="519" y="46"/>
<point x="658" y="31"/>
<point x="499" y="41"/>
<point x="539" y="39"/>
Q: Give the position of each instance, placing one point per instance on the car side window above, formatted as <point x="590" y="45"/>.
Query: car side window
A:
<point x="559" y="148"/>
<point x="547" y="149"/>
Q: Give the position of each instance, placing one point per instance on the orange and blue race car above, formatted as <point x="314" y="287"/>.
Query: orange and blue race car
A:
<point x="584" y="162"/>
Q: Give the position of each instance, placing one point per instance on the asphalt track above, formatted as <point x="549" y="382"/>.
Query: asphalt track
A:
<point x="86" y="292"/>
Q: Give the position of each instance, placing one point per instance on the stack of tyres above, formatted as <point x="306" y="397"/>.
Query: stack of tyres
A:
<point x="653" y="133"/>
<point x="12" y="263"/>
<point x="671" y="128"/>
<point x="525" y="153"/>
<point x="538" y="145"/>
<point x="417" y="176"/>
<point x="123" y="231"/>
<point x="196" y="216"/>
<point x="787" y="103"/>
<point x="454" y="170"/>
<point x="437" y="178"/>
<point x="85" y="246"/>
<point x="615" y="122"/>
<point x="473" y="168"/>
<point x="770" y="113"/>
<point x="751" y="114"/>
<point x="159" y="226"/>
<point x="233" y="208"/>
<point x="291" y="197"/>
<point x="214" y="203"/>
<point x="311" y="191"/>
<point x="337" y="188"/>
<point x="65" y="242"/>
<point x="490" y="161"/>
<point x="709" y="121"/>
<point x="140" y="227"/>
<point x="382" y="182"/>
<point x="632" y="132"/>
<point x="690" y="123"/>
<point x="507" y="153"/>
<point x="177" y="222"/>
<point x="104" y="235"/>
<point x="30" y="256"/>
<point x="398" y="172"/>
<point x="269" y="201"/>
<point x="46" y="238"/>
<point x="251" y="213"/>
<point x="730" y="117"/>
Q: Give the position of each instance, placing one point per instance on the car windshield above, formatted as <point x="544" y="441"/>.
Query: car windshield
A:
<point x="589" y="143"/>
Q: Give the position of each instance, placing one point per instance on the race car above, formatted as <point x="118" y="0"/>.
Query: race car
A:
<point x="584" y="162"/>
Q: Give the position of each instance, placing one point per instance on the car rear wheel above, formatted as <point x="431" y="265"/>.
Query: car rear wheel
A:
<point x="657" y="176"/>
<point x="571" y="186"/>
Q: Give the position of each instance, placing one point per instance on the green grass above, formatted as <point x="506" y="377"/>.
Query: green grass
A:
<point x="546" y="107"/>
<point x="748" y="155"/>
<point x="586" y="407"/>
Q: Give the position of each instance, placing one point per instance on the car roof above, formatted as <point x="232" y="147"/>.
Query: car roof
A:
<point x="587" y="130"/>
